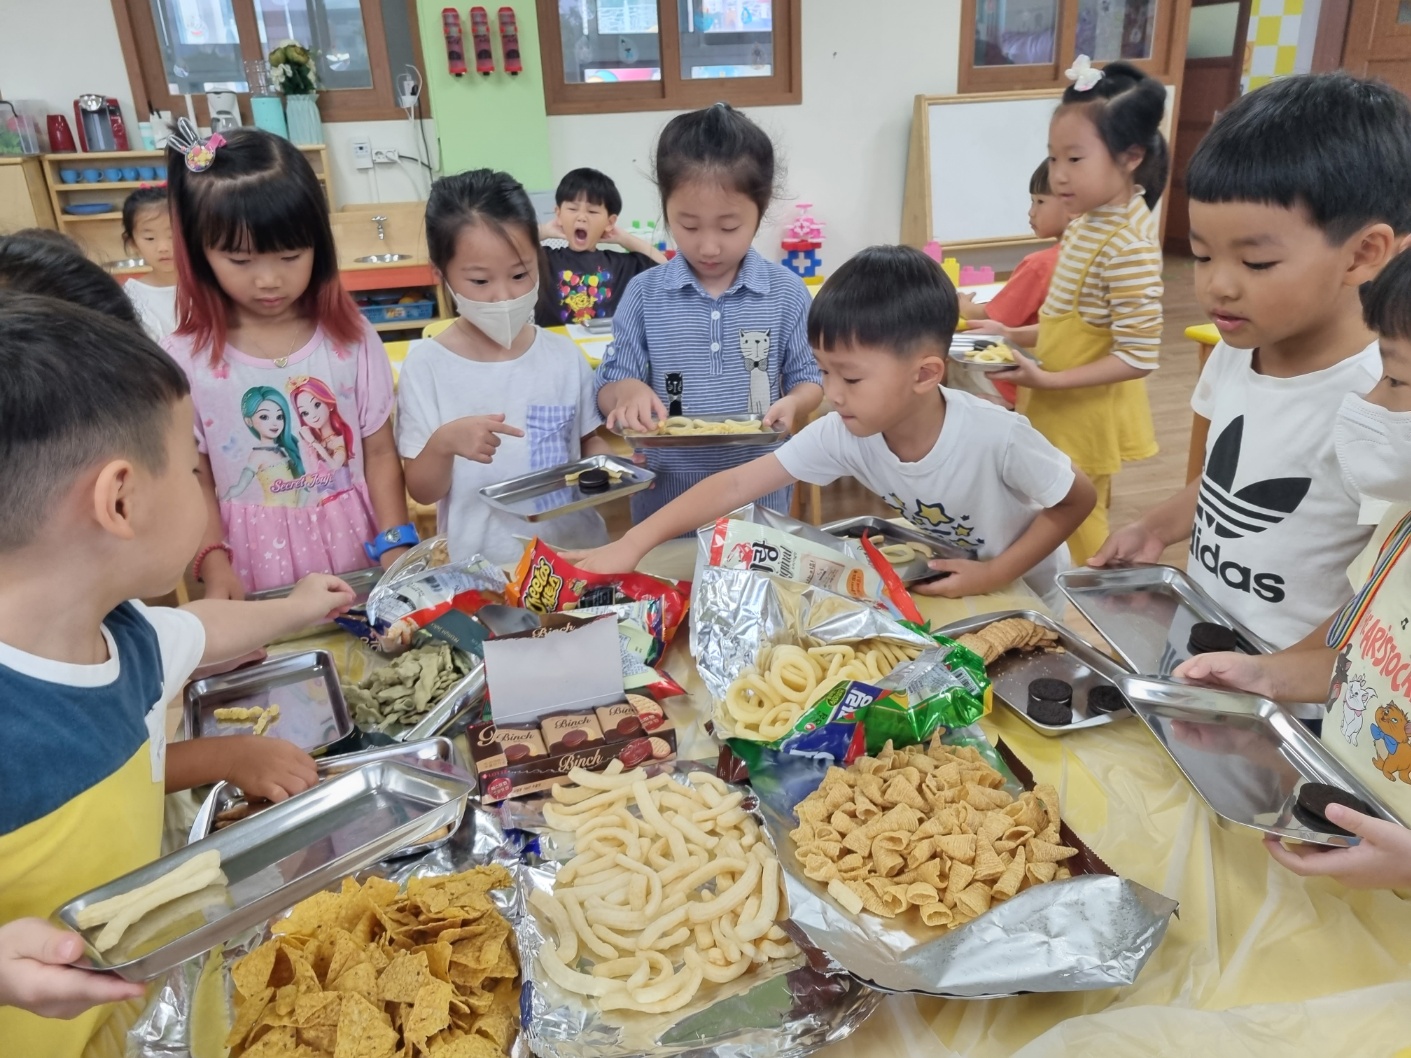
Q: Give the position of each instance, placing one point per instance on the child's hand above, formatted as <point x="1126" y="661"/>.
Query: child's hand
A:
<point x="784" y="410"/>
<point x="1130" y="544"/>
<point x="319" y="596"/>
<point x="616" y="557"/>
<point x="1381" y="860"/>
<point x="36" y="975"/>
<point x="219" y="577"/>
<point x="638" y="408"/>
<point x="552" y="229"/>
<point x="1025" y="372"/>
<point x="475" y="437"/>
<point x="985" y="326"/>
<point x="963" y="577"/>
<point x="1228" y="668"/>
<point x="265" y="768"/>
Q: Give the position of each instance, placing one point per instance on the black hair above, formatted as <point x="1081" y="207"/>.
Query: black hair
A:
<point x="37" y="261"/>
<point x="1038" y="183"/>
<point x="1338" y="146"/>
<point x="1386" y="300"/>
<point x="135" y="203"/>
<point x="893" y="297"/>
<point x="79" y="387"/>
<point x="716" y="143"/>
<point x="592" y="185"/>
<point x="1127" y="107"/>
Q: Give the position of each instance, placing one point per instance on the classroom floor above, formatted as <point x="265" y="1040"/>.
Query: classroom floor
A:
<point x="1140" y="485"/>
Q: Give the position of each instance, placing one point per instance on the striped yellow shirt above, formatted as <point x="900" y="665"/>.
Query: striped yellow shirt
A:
<point x="1123" y="289"/>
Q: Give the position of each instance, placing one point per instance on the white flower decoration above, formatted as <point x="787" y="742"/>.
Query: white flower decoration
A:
<point x="1083" y="74"/>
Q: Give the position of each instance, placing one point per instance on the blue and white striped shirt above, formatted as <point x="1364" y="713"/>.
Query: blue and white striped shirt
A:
<point x="697" y="352"/>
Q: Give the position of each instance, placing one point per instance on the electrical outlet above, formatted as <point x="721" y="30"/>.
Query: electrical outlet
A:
<point x="362" y="153"/>
<point x="382" y="155"/>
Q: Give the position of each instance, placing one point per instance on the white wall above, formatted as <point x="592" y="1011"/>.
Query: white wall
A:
<point x="844" y="147"/>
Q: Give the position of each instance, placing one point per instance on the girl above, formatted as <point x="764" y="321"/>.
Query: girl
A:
<point x="1100" y="327"/>
<point x="492" y="397"/>
<point x="146" y="233"/>
<point x="718" y="329"/>
<point x="261" y="314"/>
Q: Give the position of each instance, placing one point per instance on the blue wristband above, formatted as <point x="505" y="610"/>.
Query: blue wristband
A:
<point x="397" y="536"/>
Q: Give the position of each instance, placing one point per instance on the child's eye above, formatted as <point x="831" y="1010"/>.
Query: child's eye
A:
<point x="1392" y="382"/>
<point x="292" y="256"/>
<point x="1200" y="260"/>
<point x="1259" y="266"/>
<point x="850" y="381"/>
<point x="729" y="231"/>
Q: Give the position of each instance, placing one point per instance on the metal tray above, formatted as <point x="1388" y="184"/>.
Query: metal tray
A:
<point x="706" y="440"/>
<point x="362" y="581"/>
<point x="1245" y="755"/>
<point x="1082" y="665"/>
<point x="312" y="712"/>
<point x="909" y="572"/>
<point x="432" y="754"/>
<point x="962" y="345"/>
<point x="543" y="495"/>
<point x="286" y="853"/>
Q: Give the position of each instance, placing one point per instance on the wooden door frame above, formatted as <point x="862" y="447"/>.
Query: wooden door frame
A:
<point x="1331" y="39"/>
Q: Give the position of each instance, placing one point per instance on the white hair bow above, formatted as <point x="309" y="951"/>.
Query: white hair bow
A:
<point x="1083" y="74"/>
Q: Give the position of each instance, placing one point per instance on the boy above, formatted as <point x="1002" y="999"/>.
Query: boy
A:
<point x="100" y="505"/>
<point x="1297" y="197"/>
<point x="960" y="469"/>
<point x="587" y="282"/>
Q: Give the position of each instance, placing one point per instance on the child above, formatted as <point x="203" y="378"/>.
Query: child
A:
<point x="100" y="478"/>
<point x="493" y="397"/>
<point x="1366" y="726"/>
<point x="40" y="261"/>
<point x="263" y="318"/>
<point x="960" y="469"/>
<point x="585" y="282"/>
<point x="146" y="233"/>
<point x="1100" y="328"/>
<point x="718" y="329"/>
<point x="1283" y="240"/>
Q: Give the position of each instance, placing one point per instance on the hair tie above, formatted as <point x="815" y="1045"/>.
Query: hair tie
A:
<point x="199" y="153"/>
<point x="1083" y="74"/>
<point x="721" y="104"/>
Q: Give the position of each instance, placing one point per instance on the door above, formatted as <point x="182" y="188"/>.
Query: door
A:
<point x="1214" y="62"/>
<point x="1379" y="41"/>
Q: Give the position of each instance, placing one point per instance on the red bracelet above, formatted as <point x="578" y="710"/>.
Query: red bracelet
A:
<point x="201" y="557"/>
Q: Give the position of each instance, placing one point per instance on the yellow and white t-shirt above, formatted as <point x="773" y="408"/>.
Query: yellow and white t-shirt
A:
<point x="1369" y="700"/>
<point x="82" y="777"/>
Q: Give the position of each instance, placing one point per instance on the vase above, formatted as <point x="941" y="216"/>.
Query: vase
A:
<point x="305" y="126"/>
<point x="267" y="112"/>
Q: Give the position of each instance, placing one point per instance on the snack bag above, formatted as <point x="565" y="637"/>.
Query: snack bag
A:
<point x="547" y="583"/>
<point x="425" y="589"/>
<point x="640" y="633"/>
<point x="944" y="689"/>
<point x="738" y="544"/>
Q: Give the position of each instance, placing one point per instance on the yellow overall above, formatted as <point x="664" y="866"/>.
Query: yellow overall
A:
<point x="1098" y="427"/>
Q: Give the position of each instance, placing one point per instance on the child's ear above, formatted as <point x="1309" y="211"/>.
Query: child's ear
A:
<point x="113" y="495"/>
<point x="930" y="372"/>
<point x="612" y="220"/>
<point x="1372" y="248"/>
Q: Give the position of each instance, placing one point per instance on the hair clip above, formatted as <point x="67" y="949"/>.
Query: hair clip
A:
<point x="199" y="153"/>
<point x="1083" y="74"/>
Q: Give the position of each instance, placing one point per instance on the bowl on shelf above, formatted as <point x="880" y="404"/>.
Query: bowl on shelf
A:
<point x="127" y="264"/>
<point x="161" y="172"/>
<point x="68" y="176"/>
<point x="88" y="209"/>
<point x="92" y="176"/>
<point x="113" y="175"/>
<point x="382" y="258"/>
<point x="130" y="174"/>
<point x="146" y="172"/>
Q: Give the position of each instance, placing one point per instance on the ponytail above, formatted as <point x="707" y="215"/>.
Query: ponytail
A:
<point x="1127" y="107"/>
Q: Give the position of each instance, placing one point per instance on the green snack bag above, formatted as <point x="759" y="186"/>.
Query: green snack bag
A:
<point x="830" y="729"/>
<point x="943" y="689"/>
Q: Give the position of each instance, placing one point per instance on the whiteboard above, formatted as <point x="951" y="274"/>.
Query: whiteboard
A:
<point x="981" y="151"/>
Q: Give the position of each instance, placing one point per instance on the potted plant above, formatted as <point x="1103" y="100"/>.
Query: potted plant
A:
<point x="291" y="66"/>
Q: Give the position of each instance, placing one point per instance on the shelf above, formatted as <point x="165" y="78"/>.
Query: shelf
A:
<point x="88" y="218"/>
<point x="116" y="185"/>
<point x="405" y="325"/>
<point x="78" y="156"/>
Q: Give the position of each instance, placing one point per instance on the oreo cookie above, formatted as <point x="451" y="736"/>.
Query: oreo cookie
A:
<point x="1312" y="805"/>
<point x="1105" y="698"/>
<point x="593" y="480"/>
<point x="1209" y="638"/>
<point x="1051" y="701"/>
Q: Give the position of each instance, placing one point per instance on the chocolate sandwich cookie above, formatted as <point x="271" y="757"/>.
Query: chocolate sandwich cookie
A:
<point x="1051" y="701"/>
<point x="594" y="480"/>
<point x="1312" y="805"/>
<point x="1105" y="698"/>
<point x="1209" y="638"/>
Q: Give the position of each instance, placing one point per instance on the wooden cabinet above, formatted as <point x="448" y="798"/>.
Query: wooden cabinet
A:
<point x="24" y="195"/>
<point x="1378" y="42"/>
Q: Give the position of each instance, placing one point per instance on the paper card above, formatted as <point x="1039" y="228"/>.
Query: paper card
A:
<point x="567" y="665"/>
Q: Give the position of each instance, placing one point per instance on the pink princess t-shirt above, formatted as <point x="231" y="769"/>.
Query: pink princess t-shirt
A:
<point x="285" y="441"/>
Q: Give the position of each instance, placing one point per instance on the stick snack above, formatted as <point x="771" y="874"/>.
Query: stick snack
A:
<point x="927" y="830"/>
<point x="658" y="901"/>
<point x="121" y="911"/>
<point x="684" y="426"/>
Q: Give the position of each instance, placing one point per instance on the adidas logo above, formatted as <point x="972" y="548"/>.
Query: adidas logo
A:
<point x="1231" y="514"/>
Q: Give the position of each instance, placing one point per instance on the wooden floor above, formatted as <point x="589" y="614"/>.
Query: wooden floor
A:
<point x="1140" y="485"/>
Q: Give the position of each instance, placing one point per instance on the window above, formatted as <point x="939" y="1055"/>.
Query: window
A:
<point x="1011" y="45"/>
<point x="615" y="55"/>
<point x="179" y="47"/>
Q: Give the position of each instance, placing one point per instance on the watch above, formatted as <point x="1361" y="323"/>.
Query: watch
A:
<point x="397" y="536"/>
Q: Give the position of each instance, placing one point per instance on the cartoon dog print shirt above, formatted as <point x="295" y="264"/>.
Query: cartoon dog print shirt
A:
<point x="1369" y="698"/>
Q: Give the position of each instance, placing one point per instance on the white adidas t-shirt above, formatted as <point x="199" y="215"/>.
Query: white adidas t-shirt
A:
<point x="979" y="488"/>
<point x="1276" y="526"/>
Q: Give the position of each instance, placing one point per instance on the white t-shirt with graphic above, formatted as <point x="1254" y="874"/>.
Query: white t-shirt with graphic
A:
<point x="979" y="488"/>
<point x="156" y="307"/>
<point x="1366" y="727"/>
<point x="548" y="393"/>
<point x="1276" y="525"/>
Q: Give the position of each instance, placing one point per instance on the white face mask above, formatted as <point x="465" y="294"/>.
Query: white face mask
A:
<point x="500" y="321"/>
<point x="1374" y="449"/>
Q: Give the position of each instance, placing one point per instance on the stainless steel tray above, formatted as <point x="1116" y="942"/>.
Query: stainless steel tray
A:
<point x="909" y="572"/>
<point x="1245" y="755"/>
<point x="1082" y="665"/>
<point x="286" y="853"/>
<point x="703" y="440"/>
<point x="962" y="345"/>
<point x="312" y="712"/>
<point x="542" y="495"/>
<point x="362" y="581"/>
<point x="432" y="754"/>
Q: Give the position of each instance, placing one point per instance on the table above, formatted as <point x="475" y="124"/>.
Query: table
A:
<point x="1206" y="336"/>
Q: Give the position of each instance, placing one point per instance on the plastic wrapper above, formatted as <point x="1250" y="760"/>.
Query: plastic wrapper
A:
<point x="737" y="543"/>
<point x="641" y="631"/>
<point x="424" y="589"/>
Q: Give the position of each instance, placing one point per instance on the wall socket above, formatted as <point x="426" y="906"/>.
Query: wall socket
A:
<point x="382" y="155"/>
<point x="362" y="153"/>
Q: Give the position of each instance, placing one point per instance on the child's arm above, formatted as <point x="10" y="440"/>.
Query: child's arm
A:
<point x="799" y="377"/>
<point x="267" y="768"/>
<point x="1028" y="373"/>
<point x="474" y="437"/>
<point x="1050" y="527"/>
<point x="552" y="229"/>
<point x="633" y="244"/>
<point x="217" y="574"/>
<point x="1143" y="541"/>
<point x="1294" y="675"/>
<point x="795" y="406"/>
<point x="625" y="398"/>
<point x="386" y="487"/>
<point x="969" y="310"/>
<point x="1381" y="860"/>
<point x="235" y="628"/>
<point x="36" y="975"/>
<point x="713" y="498"/>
